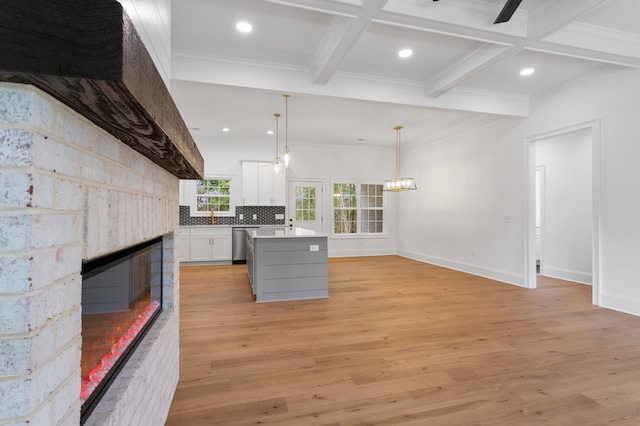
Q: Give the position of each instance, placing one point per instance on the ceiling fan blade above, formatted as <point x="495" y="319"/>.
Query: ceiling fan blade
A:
<point x="507" y="11"/>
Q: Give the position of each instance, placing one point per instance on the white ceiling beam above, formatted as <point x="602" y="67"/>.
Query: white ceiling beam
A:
<point x="584" y="53"/>
<point x="465" y="68"/>
<point x="340" y="37"/>
<point x="457" y="18"/>
<point x="338" y="40"/>
<point x="596" y="43"/>
<point x="559" y="15"/>
<point x="329" y="7"/>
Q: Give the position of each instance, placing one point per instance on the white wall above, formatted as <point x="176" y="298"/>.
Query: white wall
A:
<point x="468" y="183"/>
<point x="567" y="206"/>
<point x="467" y="212"/>
<point x="327" y="164"/>
<point x="152" y="19"/>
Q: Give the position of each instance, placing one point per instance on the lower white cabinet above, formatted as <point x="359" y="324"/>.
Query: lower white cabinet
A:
<point x="184" y="244"/>
<point x="209" y="244"/>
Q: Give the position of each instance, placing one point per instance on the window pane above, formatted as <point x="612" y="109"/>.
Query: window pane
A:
<point x="305" y="203"/>
<point x="213" y="195"/>
<point x="344" y="221"/>
<point x="357" y="208"/>
<point x="200" y="186"/>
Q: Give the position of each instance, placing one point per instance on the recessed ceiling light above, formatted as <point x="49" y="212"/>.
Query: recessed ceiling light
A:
<point x="405" y="53"/>
<point x="225" y="129"/>
<point x="527" y="71"/>
<point x="269" y="132"/>
<point x="244" y="27"/>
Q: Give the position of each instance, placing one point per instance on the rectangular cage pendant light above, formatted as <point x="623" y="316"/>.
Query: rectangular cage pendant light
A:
<point x="398" y="183"/>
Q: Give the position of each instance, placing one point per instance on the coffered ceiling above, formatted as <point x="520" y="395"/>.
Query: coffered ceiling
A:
<point x="338" y="59"/>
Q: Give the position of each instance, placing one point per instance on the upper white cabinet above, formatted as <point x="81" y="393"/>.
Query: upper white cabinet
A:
<point x="250" y="183"/>
<point x="187" y="192"/>
<point x="261" y="186"/>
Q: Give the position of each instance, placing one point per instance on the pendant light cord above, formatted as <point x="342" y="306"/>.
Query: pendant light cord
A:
<point x="286" y="127"/>
<point x="397" y="129"/>
<point x="277" y="163"/>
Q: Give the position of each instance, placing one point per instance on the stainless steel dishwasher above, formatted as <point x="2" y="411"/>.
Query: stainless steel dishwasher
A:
<point x="238" y="254"/>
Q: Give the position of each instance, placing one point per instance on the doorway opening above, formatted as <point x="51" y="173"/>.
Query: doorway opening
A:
<point x="563" y="205"/>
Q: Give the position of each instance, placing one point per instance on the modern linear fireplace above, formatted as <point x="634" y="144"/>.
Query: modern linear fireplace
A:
<point x="121" y="298"/>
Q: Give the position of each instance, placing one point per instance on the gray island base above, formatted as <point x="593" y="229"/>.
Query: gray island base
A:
<point x="287" y="264"/>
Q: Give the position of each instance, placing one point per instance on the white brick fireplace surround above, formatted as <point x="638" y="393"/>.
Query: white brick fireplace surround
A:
<point x="69" y="192"/>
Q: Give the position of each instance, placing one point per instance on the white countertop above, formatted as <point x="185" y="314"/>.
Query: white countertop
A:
<point x="284" y="232"/>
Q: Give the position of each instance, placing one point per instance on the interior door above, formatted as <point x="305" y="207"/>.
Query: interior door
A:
<point x="539" y="218"/>
<point x="305" y="204"/>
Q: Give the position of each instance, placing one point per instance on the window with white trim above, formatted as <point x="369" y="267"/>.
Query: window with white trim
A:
<point x="214" y="195"/>
<point x="357" y="208"/>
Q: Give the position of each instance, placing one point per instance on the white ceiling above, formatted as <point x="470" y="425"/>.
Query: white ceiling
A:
<point x="338" y="60"/>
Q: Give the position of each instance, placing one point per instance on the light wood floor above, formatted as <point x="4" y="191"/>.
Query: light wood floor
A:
<point x="400" y="342"/>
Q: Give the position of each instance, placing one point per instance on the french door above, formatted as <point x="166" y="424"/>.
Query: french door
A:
<point x="305" y="204"/>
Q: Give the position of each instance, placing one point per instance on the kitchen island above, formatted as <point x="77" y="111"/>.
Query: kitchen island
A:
<point x="287" y="264"/>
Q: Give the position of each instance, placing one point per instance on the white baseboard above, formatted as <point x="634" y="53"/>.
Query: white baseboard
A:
<point x="620" y="303"/>
<point x="494" y="274"/>
<point x="568" y="275"/>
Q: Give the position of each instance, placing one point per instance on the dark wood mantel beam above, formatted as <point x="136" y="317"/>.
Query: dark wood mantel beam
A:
<point x="88" y="55"/>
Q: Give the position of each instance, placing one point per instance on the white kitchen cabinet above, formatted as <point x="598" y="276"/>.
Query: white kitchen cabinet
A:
<point x="261" y="186"/>
<point x="184" y="245"/>
<point x="209" y="244"/>
<point x="187" y="192"/>
<point x="250" y="183"/>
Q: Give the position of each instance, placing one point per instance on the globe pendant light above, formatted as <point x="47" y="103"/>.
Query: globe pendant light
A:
<point x="399" y="183"/>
